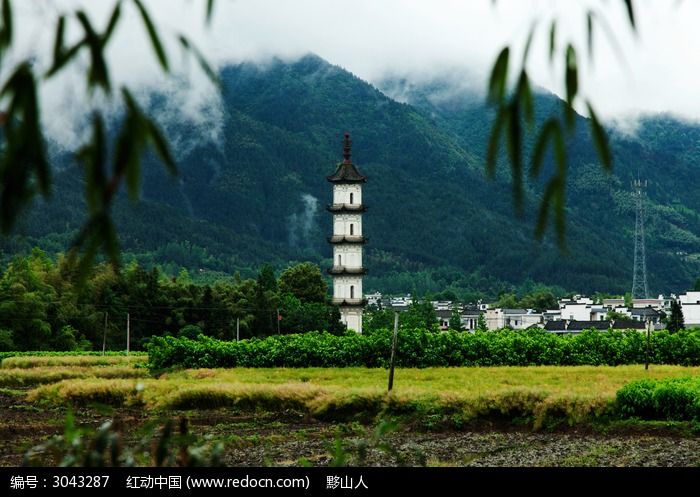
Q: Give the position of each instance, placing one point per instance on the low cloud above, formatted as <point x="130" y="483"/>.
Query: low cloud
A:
<point x="302" y="223"/>
<point x="408" y="38"/>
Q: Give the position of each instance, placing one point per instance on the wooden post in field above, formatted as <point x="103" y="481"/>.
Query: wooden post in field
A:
<point x="393" y="351"/>
<point x="238" y="329"/>
<point x="127" y="333"/>
<point x="104" y="335"/>
<point x="646" y="362"/>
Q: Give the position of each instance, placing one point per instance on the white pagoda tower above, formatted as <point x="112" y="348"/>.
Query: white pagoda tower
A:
<point x="347" y="240"/>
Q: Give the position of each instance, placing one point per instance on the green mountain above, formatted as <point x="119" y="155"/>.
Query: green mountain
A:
<point x="257" y="192"/>
<point x="662" y="150"/>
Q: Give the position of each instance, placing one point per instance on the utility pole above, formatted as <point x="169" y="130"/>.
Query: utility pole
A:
<point x="104" y="335"/>
<point x="648" y="352"/>
<point x="393" y="350"/>
<point x="238" y="329"/>
<point x="127" y="333"/>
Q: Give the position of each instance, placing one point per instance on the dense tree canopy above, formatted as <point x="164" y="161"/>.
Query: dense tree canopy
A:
<point x="305" y="282"/>
<point x="675" y="321"/>
<point x="539" y="300"/>
<point x="43" y="308"/>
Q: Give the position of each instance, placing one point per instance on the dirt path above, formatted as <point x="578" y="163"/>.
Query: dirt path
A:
<point x="488" y="449"/>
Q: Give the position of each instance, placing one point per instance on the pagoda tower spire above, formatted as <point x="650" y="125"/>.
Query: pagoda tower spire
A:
<point x="347" y="240"/>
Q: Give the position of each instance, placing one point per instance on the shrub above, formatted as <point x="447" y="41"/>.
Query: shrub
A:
<point x="636" y="399"/>
<point x="68" y="338"/>
<point x="190" y="331"/>
<point x="676" y="399"/>
<point x="74" y="353"/>
<point x="422" y="348"/>
<point x="171" y="445"/>
<point x="6" y="342"/>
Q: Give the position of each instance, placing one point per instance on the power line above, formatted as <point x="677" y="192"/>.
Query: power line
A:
<point x="127" y="308"/>
<point x="639" y="275"/>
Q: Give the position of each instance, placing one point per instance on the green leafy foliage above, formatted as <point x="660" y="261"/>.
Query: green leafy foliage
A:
<point x="675" y="320"/>
<point x="357" y="452"/>
<point x="297" y="316"/>
<point x="170" y="444"/>
<point x="54" y="353"/>
<point x="305" y="282"/>
<point x="676" y="399"/>
<point x="456" y="321"/>
<point x="538" y="299"/>
<point x="24" y="168"/>
<point x="613" y="315"/>
<point x="421" y="315"/>
<point x="422" y="348"/>
<point x="507" y="301"/>
<point x="24" y="164"/>
<point x="44" y="306"/>
<point x="153" y="34"/>
<point x="515" y="106"/>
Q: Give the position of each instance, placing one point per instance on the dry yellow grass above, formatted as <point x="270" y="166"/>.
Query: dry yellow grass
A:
<point x="25" y="362"/>
<point x="534" y="393"/>
<point x="21" y="377"/>
<point x="565" y="379"/>
<point x="115" y="392"/>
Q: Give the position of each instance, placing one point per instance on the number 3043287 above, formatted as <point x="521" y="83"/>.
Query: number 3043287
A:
<point x="80" y="481"/>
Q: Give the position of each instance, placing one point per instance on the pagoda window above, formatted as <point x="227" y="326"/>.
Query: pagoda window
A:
<point x="340" y="260"/>
<point x="351" y="229"/>
<point x="352" y="291"/>
<point x="351" y="197"/>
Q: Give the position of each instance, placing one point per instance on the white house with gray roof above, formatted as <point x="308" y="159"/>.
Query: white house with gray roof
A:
<point x="517" y="319"/>
<point x="690" y="305"/>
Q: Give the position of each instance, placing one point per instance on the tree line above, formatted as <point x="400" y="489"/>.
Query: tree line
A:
<point x="45" y="305"/>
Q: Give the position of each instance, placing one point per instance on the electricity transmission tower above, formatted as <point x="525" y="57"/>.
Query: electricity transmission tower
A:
<point x="639" y="277"/>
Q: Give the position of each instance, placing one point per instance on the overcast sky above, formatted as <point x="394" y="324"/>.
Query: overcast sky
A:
<point x="656" y="70"/>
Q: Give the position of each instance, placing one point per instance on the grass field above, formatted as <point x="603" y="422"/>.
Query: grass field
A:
<point x="29" y="371"/>
<point x="530" y="395"/>
<point x="26" y="362"/>
<point x="447" y="416"/>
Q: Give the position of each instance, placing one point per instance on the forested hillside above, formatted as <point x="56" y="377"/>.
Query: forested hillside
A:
<point x="256" y="193"/>
<point x="659" y="149"/>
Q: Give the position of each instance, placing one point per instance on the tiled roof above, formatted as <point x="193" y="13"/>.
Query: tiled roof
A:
<point x="557" y="325"/>
<point x="588" y="325"/>
<point x="346" y="171"/>
<point x="644" y="311"/>
<point x="628" y="324"/>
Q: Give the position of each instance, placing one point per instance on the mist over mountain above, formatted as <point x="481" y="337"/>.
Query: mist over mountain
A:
<point x="252" y="188"/>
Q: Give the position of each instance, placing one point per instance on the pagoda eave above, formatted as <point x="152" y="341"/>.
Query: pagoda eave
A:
<point x="342" y="302"/>
<point x="344" y="270"/>
<point x="346" y="208"/>
<point x="336" y="239"/>
<point x="345" y="181"/>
